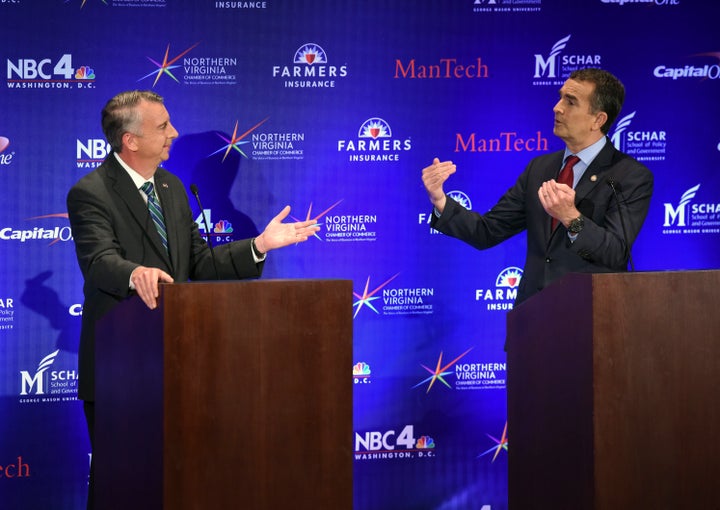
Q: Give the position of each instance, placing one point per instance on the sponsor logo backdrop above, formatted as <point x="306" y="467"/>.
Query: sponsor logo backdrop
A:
<point x="334" y="108"/>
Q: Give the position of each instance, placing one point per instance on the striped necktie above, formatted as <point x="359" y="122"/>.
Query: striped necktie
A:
<point x="155" y="212"/>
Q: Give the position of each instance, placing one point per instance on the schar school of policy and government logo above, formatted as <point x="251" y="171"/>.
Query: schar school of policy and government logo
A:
<point x="6" y="156"/>
<point x="643" y="145"/>
<point x="45" y="385"/>
<point x="7" y="313"/>
<point x="503" y="295"/>
<point x="556" y="67"/>
<point x="48" y="73"/>
<point x="310" y="68"/>
<point x="689" y="217"/>
<point x="374" y="143"/>
<point x="500" y="6"/>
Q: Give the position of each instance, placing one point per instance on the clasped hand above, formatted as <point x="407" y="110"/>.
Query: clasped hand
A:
<point x="558" y="200"/>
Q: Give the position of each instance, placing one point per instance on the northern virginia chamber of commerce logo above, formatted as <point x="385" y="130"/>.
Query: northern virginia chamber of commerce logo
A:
<point x="311" y="68"/>
<point x="556" y="66"/>
<point x="468" y="375"/>
<point x="689" y="216"/>
<point x="186" y="69"/>
<point x="374" y="143"/>
<point x="394" y="300"/>
<point x="337" y="227"/>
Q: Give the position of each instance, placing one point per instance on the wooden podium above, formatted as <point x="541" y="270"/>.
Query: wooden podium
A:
<point x="228" y="395"/>
<point x="614" y="393"/>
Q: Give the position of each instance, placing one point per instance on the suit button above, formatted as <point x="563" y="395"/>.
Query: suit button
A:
<point x="548" y="260"/>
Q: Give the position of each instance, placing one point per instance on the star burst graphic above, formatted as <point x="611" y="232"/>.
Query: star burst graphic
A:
<point x="309" y="215"/>
<point x="367" y="298"/>
<point x="166" y="65"/>
<point x="500" y="444"/>
<point x="440" y="371"/>
<point x="235" y="141"/>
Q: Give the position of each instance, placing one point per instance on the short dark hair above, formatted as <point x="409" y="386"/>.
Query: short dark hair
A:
<point x="120" y="114"/>
<point x="609" y="93"/>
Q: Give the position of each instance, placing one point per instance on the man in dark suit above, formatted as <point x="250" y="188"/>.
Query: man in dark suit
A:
<point x="121" y="248"/>
<point x="574" y="227"/>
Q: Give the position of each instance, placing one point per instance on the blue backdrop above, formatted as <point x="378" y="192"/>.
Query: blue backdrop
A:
<point x="334" y="108"/>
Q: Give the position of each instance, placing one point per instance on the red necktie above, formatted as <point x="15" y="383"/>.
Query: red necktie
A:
<point x="566" y="177"/>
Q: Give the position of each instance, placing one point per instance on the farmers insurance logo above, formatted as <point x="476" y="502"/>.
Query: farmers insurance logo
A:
<point x="310" y="69"/>
<point x="688" y="217"/>
<point x="459" y="196"/>
<point x="555" y="67"/>
<point x="185" y="69"/>
<point x="706" y="71"/>
<point x="503" y="294"/>
<point x="49" y="73"/>
<point x="44" y="385"/>
<point x="374" y="143"/>
<point x="5" y="157"/>
<point x="643" y="145"/>
<point x="480" y="6"/>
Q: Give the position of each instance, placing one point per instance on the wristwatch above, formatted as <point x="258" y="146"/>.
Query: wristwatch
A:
<point x="576" y="225"/>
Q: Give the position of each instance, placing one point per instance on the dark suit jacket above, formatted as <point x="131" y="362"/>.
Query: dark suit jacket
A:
<point x="114" y="234"/>
<point x="600" y="247"/>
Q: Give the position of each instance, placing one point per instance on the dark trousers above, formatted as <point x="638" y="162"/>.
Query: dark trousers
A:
<point x="89" y="408"/>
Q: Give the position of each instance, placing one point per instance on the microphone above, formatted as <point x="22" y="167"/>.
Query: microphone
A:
<point x="616" y="187"/>
<point x="196" y="193"/>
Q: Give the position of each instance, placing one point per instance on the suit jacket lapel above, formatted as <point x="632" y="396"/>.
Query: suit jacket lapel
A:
<point x="124" y="186"/>
<point x="595" y="174"/>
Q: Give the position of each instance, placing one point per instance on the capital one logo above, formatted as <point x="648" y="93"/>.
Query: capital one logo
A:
<point x="37" y="381"/>
<point x="676" y="215"/>
<point x="547" y="67"/>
